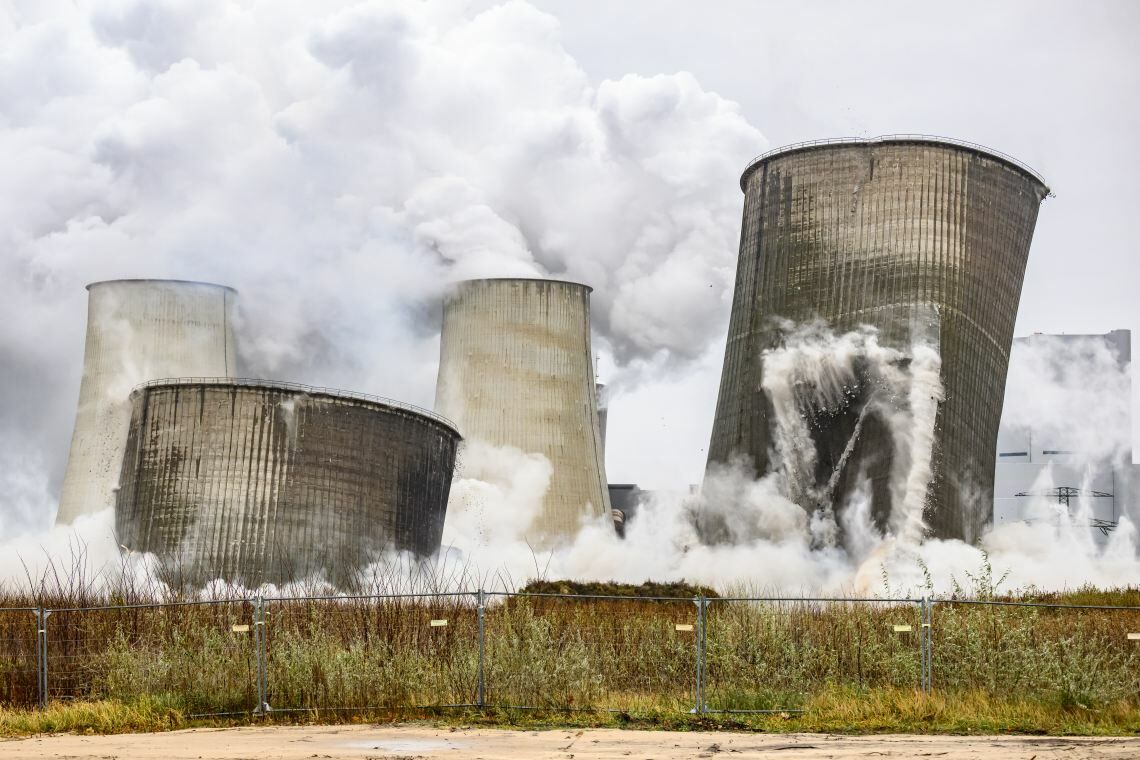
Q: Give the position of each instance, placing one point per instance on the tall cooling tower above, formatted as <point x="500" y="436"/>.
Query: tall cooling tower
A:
<point x="137" y="330"/>
<point x="924" y="239"/>
<point x="516" y="369"/>
<point x="603" y="414"/>
<point x="271" y="482"/>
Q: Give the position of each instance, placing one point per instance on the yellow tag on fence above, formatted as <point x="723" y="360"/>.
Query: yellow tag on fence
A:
<point x="240" y="628"/>
<point x="683" y="627"/>
<point x="438" y="623"/>
<point x="902" y="629"/>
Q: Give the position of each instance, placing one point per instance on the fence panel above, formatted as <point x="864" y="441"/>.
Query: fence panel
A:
<point x="637" y="655"/>
<point x="634" y="655"/>
<point x="773" y="654"/>
<point x="352" y="654"/>
<point x="1069" y="654"/>
<point x="197" y="657"/>
<point x="19" y="674"/>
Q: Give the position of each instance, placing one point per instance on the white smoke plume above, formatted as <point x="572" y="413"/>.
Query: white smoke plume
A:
<point x="83" y="560"/>
<point x="776" y="546"/>
<point x="817" y="369"/>
<point x="497" y="492"/>
<point x="339" y="163"/>
<point x="1079" y="396"/>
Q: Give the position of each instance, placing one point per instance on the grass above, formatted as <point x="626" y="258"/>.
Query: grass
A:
<point x="832" y="710"/>
<point x="101" y="717"/>
<point x="837" y="666"/>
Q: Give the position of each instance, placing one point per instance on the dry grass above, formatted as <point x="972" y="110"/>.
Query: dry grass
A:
<point x="575" y="660"/>
<point x="832" y="710"/>
<point x="104" y="717"/>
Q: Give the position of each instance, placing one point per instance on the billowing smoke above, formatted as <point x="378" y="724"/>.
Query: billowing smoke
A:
<point x="497" y="492"/>
<point x="815" y="373"/>
<point x="771" y="543"/>
<point x="776" y="545"/>
<point x="339" y="163"/>
<point x="1073" y="392"/>
<point x="780" y="530"/>
<point x="1069" y="406"/>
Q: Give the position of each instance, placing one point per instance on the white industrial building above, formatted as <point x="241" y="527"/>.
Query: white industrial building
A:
<point x="1064" y="445"/>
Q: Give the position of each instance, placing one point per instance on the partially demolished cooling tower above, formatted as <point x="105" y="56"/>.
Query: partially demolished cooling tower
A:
<point x="924" y="239"/>
<point x="137" y="330"/>
<point x="516" y="370"/>
<point x="261" y="482"/>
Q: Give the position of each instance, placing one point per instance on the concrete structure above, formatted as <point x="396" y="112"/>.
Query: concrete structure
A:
<point x="137" y="330"/>
<point x="516" y="369"/>
<point x="270" y="482"/>
<point x="603" y="413"/>
<point x="625" y="498"/>
<point x="1047" y="462"/>
<point x="925" y="239"/>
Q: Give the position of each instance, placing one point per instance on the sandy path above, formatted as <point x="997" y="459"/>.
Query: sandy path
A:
<point x="406" y="742"/>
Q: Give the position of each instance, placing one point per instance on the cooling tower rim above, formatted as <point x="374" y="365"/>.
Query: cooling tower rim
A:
<point x="300" y="389"/>
<point x="589" y="289"/>
<point x="158" y="281"/>
<point x="902" y="139"/>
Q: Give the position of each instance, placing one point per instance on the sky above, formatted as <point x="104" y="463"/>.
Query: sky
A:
<point x="1049" y="83"/>
<point x="340" y="163"/>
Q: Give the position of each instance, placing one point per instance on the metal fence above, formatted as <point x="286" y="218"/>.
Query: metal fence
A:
<point x="634" y="655"/>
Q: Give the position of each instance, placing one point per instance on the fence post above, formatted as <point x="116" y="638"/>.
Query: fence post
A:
<point x="41" y="657"/>
<point x="259" y="644"/>
<point x="925" y="640"/>
<point x="702" y="605"/>
<point x="481" y="696"/>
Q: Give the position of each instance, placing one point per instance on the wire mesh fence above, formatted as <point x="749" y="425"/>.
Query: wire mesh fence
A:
<point x="590" y="652"/>
<point x="1070" y="653"/>
<point x="372" y="652"/>
<point x="199" y="657"/>
<point x="19" y="663"/>
<point x="634" y="655"/>
<point x="763" y="655"/>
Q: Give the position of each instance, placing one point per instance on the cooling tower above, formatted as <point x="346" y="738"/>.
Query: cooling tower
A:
<point x="271" y="482"/>
<point x="603" y="414"/>
<point x="137" y="330"/>
<point x="516" y="369"/>
<point x="925" y="239"/>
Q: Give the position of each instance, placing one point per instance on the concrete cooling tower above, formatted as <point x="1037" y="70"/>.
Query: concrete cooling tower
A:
<point x="269" y="482"/>
<point x="924" y="239"/>
<point x="516" y="369"/>
<point x="137" y="330"/>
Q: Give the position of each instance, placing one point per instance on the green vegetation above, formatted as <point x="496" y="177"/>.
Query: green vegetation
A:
<point x="676" y="589"/>
<point x="833" y="710"/>
<point x="837" y="666"/>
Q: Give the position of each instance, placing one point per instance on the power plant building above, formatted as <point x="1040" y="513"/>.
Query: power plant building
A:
<point x="924" y="239"/>
<point x="516" y="370"/>
<point x="137" y="330"/>
<point x="261" y="482"/>
<point x="1078" y="462"/>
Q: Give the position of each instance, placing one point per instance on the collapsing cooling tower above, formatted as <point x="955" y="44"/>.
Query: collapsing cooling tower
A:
<point x="516" y="369"/>
<point x="268" y="482"/>
<point x="923" y="238"/>
<point x="137" y="330"/>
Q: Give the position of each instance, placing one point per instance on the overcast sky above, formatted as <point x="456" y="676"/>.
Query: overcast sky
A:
<point x="1053" y="84"/>
<point x="339" y="162"/>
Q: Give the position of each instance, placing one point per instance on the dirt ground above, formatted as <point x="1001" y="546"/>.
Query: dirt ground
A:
<point x="407" y="742"/>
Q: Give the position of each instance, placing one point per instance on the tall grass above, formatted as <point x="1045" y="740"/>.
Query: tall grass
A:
<point x="185" y="656"/>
